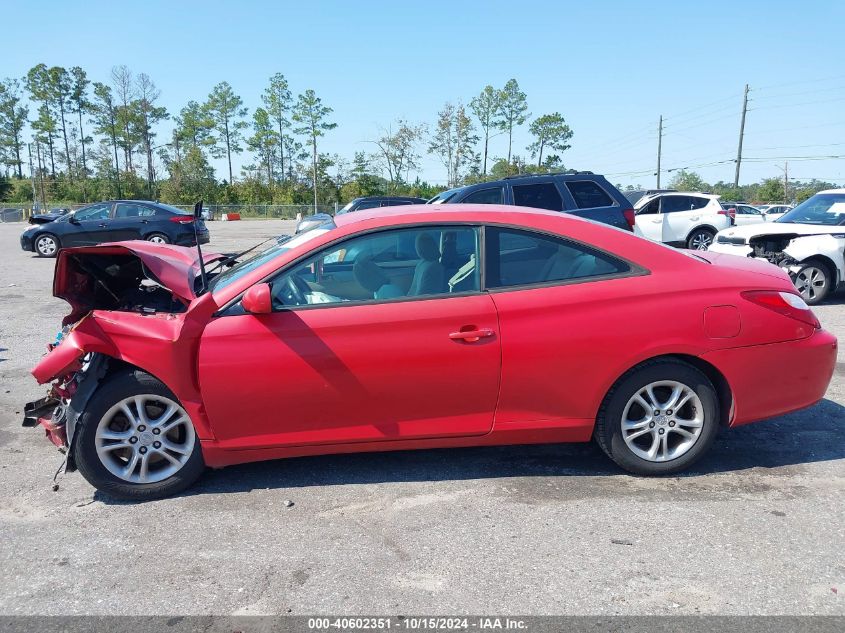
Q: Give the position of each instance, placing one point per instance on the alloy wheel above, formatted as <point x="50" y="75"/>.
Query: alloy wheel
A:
<point x="144" y="439"/>
<point x="810" y="282"/>
<point x="662" y="421"/>
<point x="701" y="241"/>
<point x="157" y="239"/>
<point x="46" y="245"/>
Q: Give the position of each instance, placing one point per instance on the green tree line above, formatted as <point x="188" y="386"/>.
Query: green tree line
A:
<point x="84" y="140"/>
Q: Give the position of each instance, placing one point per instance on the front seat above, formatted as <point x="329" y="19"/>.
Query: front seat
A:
<point x="429" y="275"/>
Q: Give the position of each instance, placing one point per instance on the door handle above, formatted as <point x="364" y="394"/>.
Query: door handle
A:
<point x="695" y="218"/>
<point x="102" y="226"/>
<point x="471" y="336"/>
<point x="657" y="221"/>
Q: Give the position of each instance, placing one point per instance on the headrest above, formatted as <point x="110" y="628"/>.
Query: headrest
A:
<point x="427" y="247"/>
<point x="368" y="274"/>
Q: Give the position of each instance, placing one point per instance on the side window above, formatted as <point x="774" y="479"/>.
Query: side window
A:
<point x="676" y="204"/>
<point x="516" y="258"/>
<point x="698" y="203"/>
<point x="588" y="195"/>
<point x="125" y="210"/>
<point x="538" y="196"/>
<point x="651" y="208"/>
<point x="747" y="210"/>
<point x="444" y="261"/>
<point x="97" y="212"/>
<point x="493" y="195"/>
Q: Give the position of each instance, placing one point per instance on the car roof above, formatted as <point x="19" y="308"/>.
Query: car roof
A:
<point x="450" y="213"/>
<point x="832" y="191"/>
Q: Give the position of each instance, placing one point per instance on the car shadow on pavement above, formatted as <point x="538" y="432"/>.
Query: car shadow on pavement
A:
<point x="813" y="435"/>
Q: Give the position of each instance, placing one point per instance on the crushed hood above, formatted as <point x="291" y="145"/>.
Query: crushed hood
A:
<point x="174" y="267"/>
<point x="780" y="228"/>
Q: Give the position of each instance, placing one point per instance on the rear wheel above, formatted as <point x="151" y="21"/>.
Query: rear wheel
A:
<point x="813" y="282"/>
<point x="47" y="245"/>
<point x="700" y="239"/>
<point x="136" y="441"/>
<point x="659" y="418"/>
<point x="158" y="238"/>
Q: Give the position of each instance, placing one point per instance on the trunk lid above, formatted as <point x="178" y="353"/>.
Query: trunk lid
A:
<point x="744" y="264"/>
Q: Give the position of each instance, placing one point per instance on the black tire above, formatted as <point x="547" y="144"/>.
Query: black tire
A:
<point x="804" y="276"/>
<point x="45" y="238"/>
<point x="156" y="237"/>
<point x="109" y="393"/>
<point x="700" y="239"/>
<point x="608" y="430"/>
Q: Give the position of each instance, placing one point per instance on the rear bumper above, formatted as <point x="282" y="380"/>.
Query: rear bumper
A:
<point x="774" y="379"/>
<point x="187" y="239"/>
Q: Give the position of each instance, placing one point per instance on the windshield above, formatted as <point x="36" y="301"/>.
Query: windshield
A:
<point x="443" y="197"/>
<point x="282" y="245"/>
<point x="347" y="206"/>
<point x="826" y="209"/>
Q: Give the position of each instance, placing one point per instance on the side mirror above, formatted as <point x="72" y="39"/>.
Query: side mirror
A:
<point x="257" y="299"/>
<point x="198" y="210"/>
<point x="72" y="219"/>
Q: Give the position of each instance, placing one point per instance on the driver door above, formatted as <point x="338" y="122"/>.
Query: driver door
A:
<point x="92" y="225"/>
<point x="330" y="369"/>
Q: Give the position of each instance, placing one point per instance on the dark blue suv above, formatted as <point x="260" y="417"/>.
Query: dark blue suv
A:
<point x="584" y="194"/>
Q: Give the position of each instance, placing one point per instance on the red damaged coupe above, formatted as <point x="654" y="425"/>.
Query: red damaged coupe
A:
<point x="414" y="327"/>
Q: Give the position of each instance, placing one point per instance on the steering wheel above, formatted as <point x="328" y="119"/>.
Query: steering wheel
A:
<point x="292" y="292"/>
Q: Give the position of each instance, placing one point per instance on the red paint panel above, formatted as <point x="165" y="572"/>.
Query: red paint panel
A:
<point x="351" y="373"/>
<point x="770" y="380"/>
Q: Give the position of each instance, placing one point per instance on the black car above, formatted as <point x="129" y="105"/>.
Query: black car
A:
<point x="50" y="216"/>
<point x="358" y="204"/>
<point x="584" y="194"/>
<point x="114" y="221"/>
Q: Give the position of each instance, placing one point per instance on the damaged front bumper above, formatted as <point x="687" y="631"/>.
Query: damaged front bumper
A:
<point x="58" y="413"/>
<point x="49" y="413"/>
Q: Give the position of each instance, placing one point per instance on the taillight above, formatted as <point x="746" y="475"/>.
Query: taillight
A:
<point x="785" y="303"/>
<point x="629" y="217"/>
<point x="182" y="219"/>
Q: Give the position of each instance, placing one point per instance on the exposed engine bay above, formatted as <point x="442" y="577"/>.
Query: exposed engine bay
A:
<point x="771" y="248"/>
<point x="118" y="282"/>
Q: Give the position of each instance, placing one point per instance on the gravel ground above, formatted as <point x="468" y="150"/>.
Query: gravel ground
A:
<point x="757" y="528"/>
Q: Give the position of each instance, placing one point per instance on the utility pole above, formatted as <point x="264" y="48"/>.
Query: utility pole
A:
<point x="785" y="171"/>
<point x="659" y="147"/>
<point x="741" y="133"/>
<point x="31" y="173"/>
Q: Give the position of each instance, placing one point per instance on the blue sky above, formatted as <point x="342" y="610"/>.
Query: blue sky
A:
<point x="611" y="68"/>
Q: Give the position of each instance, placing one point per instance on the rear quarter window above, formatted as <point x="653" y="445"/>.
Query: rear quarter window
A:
<point x="588" y="195"/>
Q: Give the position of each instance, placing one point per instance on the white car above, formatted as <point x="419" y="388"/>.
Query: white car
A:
<point x="690" y="220"/>
<point x="807" y="242"/>
<point x="774" y="211"/>
<point x="746" y="214"/>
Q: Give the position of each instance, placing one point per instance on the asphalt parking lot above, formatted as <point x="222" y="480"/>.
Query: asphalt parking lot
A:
<point x="757" y="528"/>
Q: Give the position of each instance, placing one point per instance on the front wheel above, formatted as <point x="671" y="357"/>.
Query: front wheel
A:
<point x="700" y="239"/>
<point x="136" y="441"/>
<point x="659" y="418"/>
<point x="47" y="245"/>
<point x="813" y="282"/>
